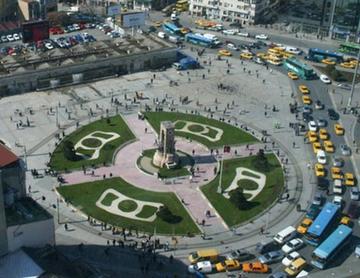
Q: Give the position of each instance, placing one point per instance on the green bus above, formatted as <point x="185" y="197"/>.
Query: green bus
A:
<point x="301" y="69"/>
<point x="349" y="48"/>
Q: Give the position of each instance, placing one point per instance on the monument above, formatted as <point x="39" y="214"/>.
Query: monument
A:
<point x="165" y="155"/>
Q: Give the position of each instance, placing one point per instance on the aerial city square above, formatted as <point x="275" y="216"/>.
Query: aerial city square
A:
<point x="182" y="138"/>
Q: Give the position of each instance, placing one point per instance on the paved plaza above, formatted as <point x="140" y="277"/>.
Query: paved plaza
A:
<point x="250" y="97"/>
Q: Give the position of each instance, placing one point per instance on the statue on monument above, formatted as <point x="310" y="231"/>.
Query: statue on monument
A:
<point x="165" y="155"/>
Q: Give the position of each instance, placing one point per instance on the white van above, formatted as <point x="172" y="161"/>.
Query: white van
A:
<point x="285" y="235"/>
<point x="162" y="35"/>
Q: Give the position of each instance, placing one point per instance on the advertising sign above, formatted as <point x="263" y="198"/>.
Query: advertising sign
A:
<point x="133" y="19"/>
<point x="113" y="10"/>
<point x="35" y="31"/>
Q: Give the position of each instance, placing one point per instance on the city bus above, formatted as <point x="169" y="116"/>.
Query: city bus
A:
<point x="317" y="55"/>
<point x="322" y="224"/>
<point x="200" y="40"/>
<point x="328" y="250"/>
<point x="182" y="5"/>
<point x="171" y="28"/>
<point x="349" y="48"/>
<point x="301" y="69"/>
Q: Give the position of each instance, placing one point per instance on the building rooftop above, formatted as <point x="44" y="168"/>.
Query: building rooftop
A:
<point x="25" y="211"/>
<point x="7" y="157"/>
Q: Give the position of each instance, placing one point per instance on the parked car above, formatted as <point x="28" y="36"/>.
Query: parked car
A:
<point x="319" y="105"/>
<point x="289" y="258"/>
<point x="318" y="199"/>
<point x="345" y="150"/>
<point x="338" y="162"/>
<point x="325" y="79"/>
<point x="10" y="38"/>
<point x="271" y="257"/>
<point x="230" y="32"/>
<point x="344" y="86"/>
<point x="354" y="194"/>
<point x="333" y="115"/>
<point x="292" y="245"/>
<point x="240" y="255"/>
<point x="16" y="36"/>
<point x="261" y="37"/>
<point x="321" y="123"/>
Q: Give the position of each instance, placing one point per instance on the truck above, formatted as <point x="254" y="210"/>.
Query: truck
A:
<point x="186" y="63"/>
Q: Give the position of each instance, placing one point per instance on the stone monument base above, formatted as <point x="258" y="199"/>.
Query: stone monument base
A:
<point x="160" y="159"/>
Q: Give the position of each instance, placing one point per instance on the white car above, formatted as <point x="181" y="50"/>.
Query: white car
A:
<point x="324" y="78"/>
<point x="321" y="123"/>
<point x="312" y="126"/>
<point x="49" y="46"/>
<point x="262" y="37"/>
<point x="4" y="39"/>
<point x="243" y="34"/>
<point x="354" y="193"/>
<point x="16" y="36"/>
<point x="203" y="267"/>
<point x="337" y="189"/>
<point x="10" y="38"/>
<point x="289" y="258"/>
<point x="232" y="46"/>
<point x="321" y="157"/>
<point x="76" y="26"/>
<point x="292" y="245"/>
<point x="230" y="32"/>
<point x="338" y="200"/>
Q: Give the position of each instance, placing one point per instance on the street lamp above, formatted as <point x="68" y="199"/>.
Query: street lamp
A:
<point x="219" y="189"/>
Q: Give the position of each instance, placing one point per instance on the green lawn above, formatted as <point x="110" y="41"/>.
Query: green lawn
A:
<point x="230" y="213"/>
<point x="59" y="162"/>
<point x="231" y="135"/>
<point x="85" y="195"/>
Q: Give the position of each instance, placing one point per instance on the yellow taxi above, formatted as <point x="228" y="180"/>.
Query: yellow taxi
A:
<point x="329" y="146"/>
<point x="345" y="220"/>
<point x="328" y="62"/>
<point x="312" y="136"/>
<point x="323" y="134"/>
<point x="246" y="55"/>
<point x="293" y="75"/>
<point x="224" y="52"/>
<point x="255" y="267"/>
<point x="347" y="65"/>
<point x="349" y="179"/>
<point x="339" y="130"/>
<point x="304" y="89"/>
<point x="306" y="100"/>
<point x="319" y="170"/>
<point x="261" y="55"/>
<point x="228" y="265"/>
<point x="336" y="173"/>
<point x="286" y="55"/>
<point x="157" y="24"/>
<point x="353" y="61"/>
<point x="316" y="147"/>
<point x="304" y="225"/>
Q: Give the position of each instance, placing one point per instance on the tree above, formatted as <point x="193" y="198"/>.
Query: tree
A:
<point x="334" y="73"/>
<point x="237" y="198"/>
<point x="59" y="19"/>
<point x="260" y="161"/>
<point x="69" y="151"/>
<point x="165" y="214"/>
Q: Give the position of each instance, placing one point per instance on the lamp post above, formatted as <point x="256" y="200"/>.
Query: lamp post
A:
<point x="353" y="81"/>
<point x="219" y="189"/>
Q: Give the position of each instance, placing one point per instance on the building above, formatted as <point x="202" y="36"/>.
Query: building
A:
<point x="244" y="12"/>
<point x="8" y="9"/>
<point x="36" y="9"/>
<point x="22" y="221"/>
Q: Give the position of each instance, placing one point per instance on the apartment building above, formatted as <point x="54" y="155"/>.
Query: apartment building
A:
<point x="8" y="10"/>
<point x="23" y="222"/>
<point x="243" y="11"/>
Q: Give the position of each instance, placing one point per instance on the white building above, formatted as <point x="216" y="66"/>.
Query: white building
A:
<point x="242" y="11"/>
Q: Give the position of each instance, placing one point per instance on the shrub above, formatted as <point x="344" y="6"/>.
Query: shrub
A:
<point x="69" y="151"/>
<point x="238" y="199"/>
<point x="260" y="161"/>
<point x="166" y="215"/>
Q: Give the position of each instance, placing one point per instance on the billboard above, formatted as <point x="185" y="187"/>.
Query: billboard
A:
<point x="113" y="10"/>
<point x="133" y="19"/>
<point x="35" y="31"/>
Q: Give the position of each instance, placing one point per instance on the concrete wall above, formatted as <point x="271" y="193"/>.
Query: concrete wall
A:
<point x="35" y="234"/>
<point x="32" y="79"/>
<point x="3" y="227"/>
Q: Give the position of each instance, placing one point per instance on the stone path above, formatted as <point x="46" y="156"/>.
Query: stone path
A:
<point x="187" y="190"/>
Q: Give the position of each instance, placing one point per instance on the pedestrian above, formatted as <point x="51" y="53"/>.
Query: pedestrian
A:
<point x="145" y="129"/>
<point x="108" y="242"/>
<point x="203" y="222"/>
<point x="287" y="196"/>
<point x="294" y="144"/>
<point x="66" y="226"/>
<point x="104" y="176"/>
<point x="265" y="114"/>
<point x="262" y="230"/>
<point x="29" y="189"/>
